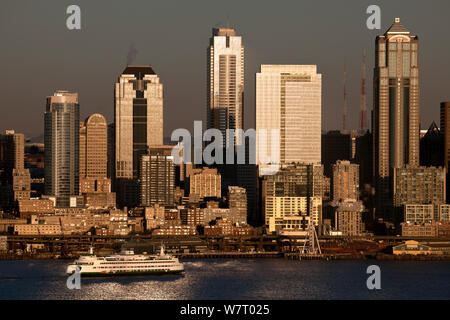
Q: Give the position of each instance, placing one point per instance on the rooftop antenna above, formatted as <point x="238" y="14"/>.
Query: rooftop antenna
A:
<point x="228" y="21"/>
<point x="363" y="102"/>
<point x="344" y="116"/>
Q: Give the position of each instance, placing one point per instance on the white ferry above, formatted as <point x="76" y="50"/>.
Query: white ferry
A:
<point x="126" y="263"/>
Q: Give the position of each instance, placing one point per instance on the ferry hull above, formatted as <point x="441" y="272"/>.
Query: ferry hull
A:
<point x="131" y="273"/>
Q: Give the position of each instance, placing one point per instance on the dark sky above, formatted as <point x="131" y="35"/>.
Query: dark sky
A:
<point x="40" y="55"/>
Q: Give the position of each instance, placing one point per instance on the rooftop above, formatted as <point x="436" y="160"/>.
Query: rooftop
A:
<point x="397" y="28"/>
<point x="147" y="69"/>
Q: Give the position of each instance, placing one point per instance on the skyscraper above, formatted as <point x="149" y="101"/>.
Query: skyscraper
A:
<point x="15" y="180"/>
<point x="94" y="183"/>
<point x="445" y="131"/>
<point x="237" y="200"/>
<point x="138" y="118"/>
<point x="336" y="145"/>
<point x="289" y="99"/>
<point x="345" y="181"/>
<point x="205" y="182"/>
<point x="94" y="149"/>
<point x="61" y="139"/>
<point x="11" y="155"/>
<point x="296" y="189"/>
<point x="225" y="81"/>
<point x="396" y="107"/>
<point x="157" y="177"/>
<point x="432" y="147"/>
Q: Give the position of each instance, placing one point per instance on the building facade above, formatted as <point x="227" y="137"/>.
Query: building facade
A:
<point x="336" y="145"/>
<point x="237" y="201"/>
<point x="288" y="101"/>
<point x="95" y="186"/>
<point x="296" y="189"/>
<point x="225" y="81"/>
<point x="396" y="107"/>
<point x="419" y="185"/>
<point x="445" y="131"/>
<point x="348" y="218"/>
<point x="157" y="177"/>
<point x="15" y="180"/>
<point x="345" y="181"/>
<point x="205" y="182"/>
<point x="61" y="139"/>
<point x="138" y="124"/>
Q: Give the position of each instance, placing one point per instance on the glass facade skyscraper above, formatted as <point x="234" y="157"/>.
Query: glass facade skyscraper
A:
<point x="61" y="139"/>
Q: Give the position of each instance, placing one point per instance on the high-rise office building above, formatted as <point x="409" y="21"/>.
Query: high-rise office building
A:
<point x="15" y="180"/>
<point x="93" y="146"/>
<point x="11" y="154"/>
<point x="348" y="217"/>
<point x="61" y="139"/>
<point x="345" y="181"/>
<point x="296" y="189"/>
<point x="95" y="186"/>
<point x="417" y="185"/>
<point x="157" y="177"/>
<point x="432" y="147"/>
<point x="138" y="124"/>
<point x="225" y="81"/>
<point x="289" y="99"/>
<point x="445" y="131"/>
<point x="363" y="157"/>
<point x="336" y="145"/>
<point x="396" y="107"/>
<point x="205" y="182"/>
<point x="237" y="199"/>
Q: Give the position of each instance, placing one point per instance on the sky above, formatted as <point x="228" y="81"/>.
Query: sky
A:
<point x="40" y="55"/>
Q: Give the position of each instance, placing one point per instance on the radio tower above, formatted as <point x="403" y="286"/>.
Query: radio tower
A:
<point x="363" y="109"/>
<point x="344" y="116"/>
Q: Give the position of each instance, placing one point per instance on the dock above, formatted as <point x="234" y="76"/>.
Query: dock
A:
<point x="228" y="255"/>
<point x="326" y="257"/>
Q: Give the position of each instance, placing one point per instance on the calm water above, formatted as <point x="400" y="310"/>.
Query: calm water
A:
<point x="236" y="279"/>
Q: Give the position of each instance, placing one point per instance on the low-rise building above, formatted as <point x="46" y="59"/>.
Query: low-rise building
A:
<point x="3" y="243"/>
<point x="35" y="206"/>
<point x="154" y="216"/>
<point x="7" y="225"/>
<point x="443" y="229"/>
<point x="37" y="229"/>
<point x="175" y="231"/>
<point x="192" y="216"/>
<point x="425" y="213"/>
<point x="224" y="226"/>
<point x="290" y="225"/>
<point x="419" y="229"/>
<point x="413" y="247"/>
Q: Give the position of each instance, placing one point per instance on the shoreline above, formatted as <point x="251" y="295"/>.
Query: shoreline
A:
<point x="258" y="255"/>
